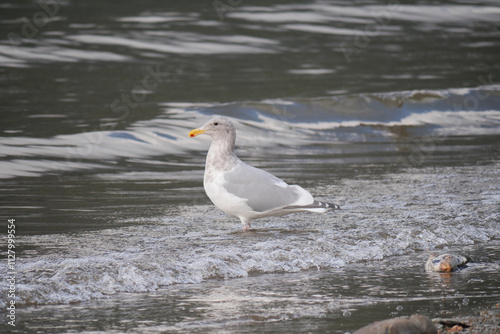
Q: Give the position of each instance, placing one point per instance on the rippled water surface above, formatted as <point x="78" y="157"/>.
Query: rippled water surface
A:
<point x="390" y="109"/>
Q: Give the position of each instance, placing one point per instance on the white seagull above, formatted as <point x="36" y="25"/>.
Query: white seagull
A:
<point x="244" y="191"/>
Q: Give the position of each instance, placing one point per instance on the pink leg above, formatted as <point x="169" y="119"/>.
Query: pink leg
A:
<point x="246" y="224"/>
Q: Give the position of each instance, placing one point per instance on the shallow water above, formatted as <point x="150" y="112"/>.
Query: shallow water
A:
<point x="391" y="111"/>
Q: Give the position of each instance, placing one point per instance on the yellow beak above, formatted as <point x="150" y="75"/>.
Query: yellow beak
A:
<point x="196" y="132"/>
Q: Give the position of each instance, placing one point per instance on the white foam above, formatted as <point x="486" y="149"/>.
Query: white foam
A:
<point x="269" y="124"/>
<point x="422" y="209"/>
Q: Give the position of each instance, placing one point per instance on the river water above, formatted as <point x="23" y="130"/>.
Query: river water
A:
<point x="389" y="109"/>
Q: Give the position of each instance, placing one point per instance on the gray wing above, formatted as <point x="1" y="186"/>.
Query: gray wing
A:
<point x="263" y="191"/>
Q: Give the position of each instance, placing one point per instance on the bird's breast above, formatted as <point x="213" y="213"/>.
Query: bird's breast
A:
<point x="214" y="184"/>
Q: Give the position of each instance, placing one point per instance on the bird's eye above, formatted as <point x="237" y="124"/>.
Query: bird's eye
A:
<point x="216" y="123"/>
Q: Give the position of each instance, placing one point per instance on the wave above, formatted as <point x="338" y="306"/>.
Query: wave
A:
<point x="292" y="123"/>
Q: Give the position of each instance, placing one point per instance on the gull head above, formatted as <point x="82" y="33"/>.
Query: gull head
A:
<point x="218" y="128"/>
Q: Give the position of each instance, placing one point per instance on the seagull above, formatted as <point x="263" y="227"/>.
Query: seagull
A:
<point x="243" y="191"/>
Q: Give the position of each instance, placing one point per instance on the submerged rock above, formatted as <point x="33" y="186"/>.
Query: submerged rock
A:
<point x="416" y="324"/>
<point x="445" y="262"/>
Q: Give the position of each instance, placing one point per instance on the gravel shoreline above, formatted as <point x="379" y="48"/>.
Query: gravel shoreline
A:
<point x="486" y="322"/>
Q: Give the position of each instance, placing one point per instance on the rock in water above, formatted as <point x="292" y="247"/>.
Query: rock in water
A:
<point x="416" y="324"/>
<point x="445" y="262"/>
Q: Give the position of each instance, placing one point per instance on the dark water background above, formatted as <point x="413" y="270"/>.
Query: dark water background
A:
<point x="389" y="108"/>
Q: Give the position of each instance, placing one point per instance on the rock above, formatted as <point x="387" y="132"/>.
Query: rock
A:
<point x="451" y="324"/>
<point x="416" y="324"/>
<point x="486" y="322"/>
<point x="445" y="262"/>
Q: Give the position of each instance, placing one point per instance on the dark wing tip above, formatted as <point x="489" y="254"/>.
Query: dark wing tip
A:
<point x="315" y="205"/>
<point x="325" y="205"/>
<point x="334" y="206"/>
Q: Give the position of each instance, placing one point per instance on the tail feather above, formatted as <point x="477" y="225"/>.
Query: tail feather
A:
<point x="315" y="205"/>
<point x="328" y="206"/>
